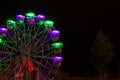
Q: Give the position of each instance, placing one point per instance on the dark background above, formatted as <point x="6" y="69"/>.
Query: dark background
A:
<point x="79" y="21"/>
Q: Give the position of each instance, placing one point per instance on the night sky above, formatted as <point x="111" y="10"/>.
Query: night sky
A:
<point x="79" y="21"/>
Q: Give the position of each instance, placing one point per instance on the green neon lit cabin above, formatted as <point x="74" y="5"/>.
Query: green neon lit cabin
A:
<point x="1" y="41"/>
<point x="20" y="21"/>
<point x="30" y="15"/>
<point x="48" y="23"/>
<point x="57" y="45"/>
<point x="41" y="22"/>
<point x="10" y="23"/>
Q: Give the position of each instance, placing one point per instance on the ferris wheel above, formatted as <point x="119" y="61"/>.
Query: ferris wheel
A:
<point x="30" y="48"/>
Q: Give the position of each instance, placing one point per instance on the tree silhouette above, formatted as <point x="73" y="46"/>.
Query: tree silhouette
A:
<point x="101" y="52"/>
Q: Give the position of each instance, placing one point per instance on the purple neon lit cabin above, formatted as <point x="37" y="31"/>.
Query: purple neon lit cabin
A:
<point x="40" y="17"/>
<point x="3" y="32"/>
<point x="57" y="59"/>
<point x="20" y="17"/>
<point x="55" y="35"/>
